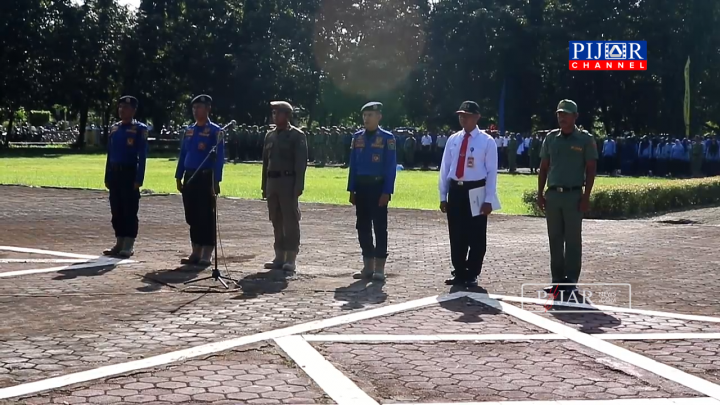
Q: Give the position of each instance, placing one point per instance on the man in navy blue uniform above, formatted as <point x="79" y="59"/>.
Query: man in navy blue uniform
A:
<point x="371" y="182"/>
<point x="199" y="193"/>
<point x="124" y="175"/>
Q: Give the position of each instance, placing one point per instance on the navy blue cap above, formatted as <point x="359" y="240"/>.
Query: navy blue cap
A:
<point x="128" y="100"/>
<point x="202" y="99"/>
<point x="372" y="106"/>
<point x="468" y="107"/>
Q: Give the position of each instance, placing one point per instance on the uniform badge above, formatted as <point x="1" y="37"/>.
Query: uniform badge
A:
<point x="375" y="158"/>
<point x="201" y="146"/>
<point x="205" y="132"/>
<point x="360" y="142"/>
<point x="470" y="161"/>
<point x="576" y="148"/>
<point x="189" y="132"/>
<point x="391" y="144"/>
<point x="378" y="143"/>
<point x="130" y="141"/>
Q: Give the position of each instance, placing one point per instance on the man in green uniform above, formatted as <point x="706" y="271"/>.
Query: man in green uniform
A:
<point x="569" y="163"/>
<point x="512" y="153"/>
<point x="696" y="156"/>
<point x="319" y="147"/>
<point x="410" y="146"/>
<point x="535" y="146"/>
<point x="283" y="182"/>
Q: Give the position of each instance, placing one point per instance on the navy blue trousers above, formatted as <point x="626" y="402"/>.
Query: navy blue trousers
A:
<point x="370" y="216"/>
<point x="124" y="201"/>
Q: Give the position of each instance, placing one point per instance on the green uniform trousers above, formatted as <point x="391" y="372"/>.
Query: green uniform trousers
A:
<point x="564" y="223"/>
<point x="512" y="162"/>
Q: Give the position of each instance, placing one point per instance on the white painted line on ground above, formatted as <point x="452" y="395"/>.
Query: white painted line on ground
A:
<point x="638" y="360"/>
<point x="606" y="308"/>
<point x="644" y="401"/>
<point x="45" y="252"/>
<point x="501" y="337"/>
<point x="87" y="265"/>
<point x="42" y="260"/>
<point x="331" y="380"/>
<point x="656" y="336"/>
<point x="211" y="348"/>
<point x="426" y="338"/>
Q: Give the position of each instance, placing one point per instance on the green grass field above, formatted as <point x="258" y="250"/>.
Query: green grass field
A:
<point x="414" y="189"/>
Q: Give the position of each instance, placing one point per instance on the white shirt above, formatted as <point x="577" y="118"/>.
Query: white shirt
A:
<point x="505" y="141"/>
<point x="426" y="140"/>
<point x="499" y="141"/>
<point x="482" y="148"/>
<point x="441" y="141"/>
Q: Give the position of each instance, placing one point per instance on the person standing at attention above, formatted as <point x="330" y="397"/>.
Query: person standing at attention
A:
<point x="371" y="183"/>
<point x="468" y="171"/>
<point x="568" y="167"/>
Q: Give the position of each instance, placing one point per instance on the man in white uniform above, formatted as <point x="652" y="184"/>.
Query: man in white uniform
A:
<point x="468" y="171"/>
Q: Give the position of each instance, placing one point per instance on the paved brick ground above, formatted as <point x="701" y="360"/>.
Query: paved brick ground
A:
<point x="60" y="322"/>
<point x="617" y="322"/>
<point x="697" y="356"/>
<point x="461" y="316"/>
<point x="254" y="376"/>
<point x="519" y="371"/>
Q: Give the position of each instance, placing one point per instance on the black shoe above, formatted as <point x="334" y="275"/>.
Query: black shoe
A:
<point x="471" y="282"/>
<point x="455" y="280"/>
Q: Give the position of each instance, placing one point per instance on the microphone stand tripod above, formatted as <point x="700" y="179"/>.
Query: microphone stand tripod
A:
<point x="216" y="275"/>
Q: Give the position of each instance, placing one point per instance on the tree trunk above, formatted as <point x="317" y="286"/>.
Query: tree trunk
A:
<point x="106" y="124"/>
<point x="11" y="120"/>
<point x="80" y="143"/>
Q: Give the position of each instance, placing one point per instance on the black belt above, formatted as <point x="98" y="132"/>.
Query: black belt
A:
<point x="369" y="179"/>
<point x="274" y="174"/>
<point x="564" y="189"/>
<point x="115" y="167"/>
<point x="190" y="172"/>
<point x="468" y="184"/>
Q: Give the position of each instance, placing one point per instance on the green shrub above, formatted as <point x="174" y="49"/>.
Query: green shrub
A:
<point x="630" y="200"/>
<point x="39" y="118"/>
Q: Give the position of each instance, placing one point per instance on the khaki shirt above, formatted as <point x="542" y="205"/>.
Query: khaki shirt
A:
<point x="285" y="151"/>
<point x="568" y="156"/>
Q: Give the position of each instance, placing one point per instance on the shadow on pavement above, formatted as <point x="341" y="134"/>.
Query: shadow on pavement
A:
<point x="262" y="283"/>
<point x="469" y="309"/>
<point x="360" y="294"/>
<point x="155" y="280"/>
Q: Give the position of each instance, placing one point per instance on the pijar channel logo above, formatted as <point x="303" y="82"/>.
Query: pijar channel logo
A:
<point x="608" y="55"/>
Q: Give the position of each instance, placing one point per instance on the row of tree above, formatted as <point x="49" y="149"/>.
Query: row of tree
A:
<point x="422" y="58"/>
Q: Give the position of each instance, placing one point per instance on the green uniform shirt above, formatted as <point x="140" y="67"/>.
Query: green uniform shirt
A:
<point x="568" y="156"/>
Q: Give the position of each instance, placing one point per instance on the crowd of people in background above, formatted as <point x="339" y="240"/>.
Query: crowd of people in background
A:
<point x="626" y="155"/>
<point x="51" y="133"/>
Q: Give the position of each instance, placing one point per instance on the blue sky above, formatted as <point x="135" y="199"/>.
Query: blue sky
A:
<point x="133" y="3"/>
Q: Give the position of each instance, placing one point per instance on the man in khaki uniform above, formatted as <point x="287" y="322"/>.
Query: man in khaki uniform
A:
<point x="284" y="159"/>
<point x="569" y="162"/>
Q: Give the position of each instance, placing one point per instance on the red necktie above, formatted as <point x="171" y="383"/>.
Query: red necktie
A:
<point x="460" y="170"/>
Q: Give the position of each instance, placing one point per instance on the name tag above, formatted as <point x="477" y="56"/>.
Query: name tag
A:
<point x="378" y="143"/>
<point x="205" y="132"/>
<point x="359" y="142"/>
<point x="576" y="148"/>
<point x="189" y="132"/>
